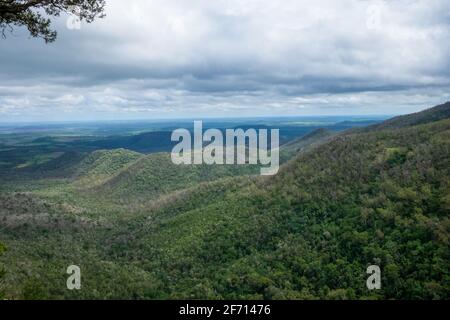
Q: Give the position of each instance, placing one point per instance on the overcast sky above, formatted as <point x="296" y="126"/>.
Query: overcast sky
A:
<point x="166" y="58"/>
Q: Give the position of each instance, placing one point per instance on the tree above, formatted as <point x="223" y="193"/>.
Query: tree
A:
<point x="34" y="14"/>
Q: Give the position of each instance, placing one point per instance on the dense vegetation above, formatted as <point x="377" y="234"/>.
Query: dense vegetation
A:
<point x="140" y="227"/>
<point x="2" y="271"/>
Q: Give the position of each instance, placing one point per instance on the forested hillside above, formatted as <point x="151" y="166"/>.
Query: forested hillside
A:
<point x="2" y="271"/>
<point x="310" y="232"/>
<point x="430" y="115"/>
<point x="341" y="203"/>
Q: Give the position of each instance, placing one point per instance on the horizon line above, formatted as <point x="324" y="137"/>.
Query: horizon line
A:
<point x="193" y="119"/>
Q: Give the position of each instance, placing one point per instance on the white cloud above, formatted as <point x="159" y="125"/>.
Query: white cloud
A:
<point x="192" y="58"/>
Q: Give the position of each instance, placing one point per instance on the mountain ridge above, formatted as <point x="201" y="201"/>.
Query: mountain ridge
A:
<point x="433" y="114"/>
<point x="371" y="197"/>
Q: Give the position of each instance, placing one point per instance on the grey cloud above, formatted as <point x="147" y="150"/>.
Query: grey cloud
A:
<point x="215" y="57"/>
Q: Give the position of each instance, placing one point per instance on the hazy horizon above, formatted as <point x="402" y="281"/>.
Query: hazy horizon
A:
<point x="212" y="119"/>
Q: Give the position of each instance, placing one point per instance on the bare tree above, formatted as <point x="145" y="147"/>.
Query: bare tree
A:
<point x="35" y="14"/>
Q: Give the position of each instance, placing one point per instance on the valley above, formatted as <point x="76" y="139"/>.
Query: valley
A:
<point x="349" y="194"/>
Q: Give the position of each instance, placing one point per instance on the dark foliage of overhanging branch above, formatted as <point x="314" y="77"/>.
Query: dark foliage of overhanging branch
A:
<point x="35" y="14"/>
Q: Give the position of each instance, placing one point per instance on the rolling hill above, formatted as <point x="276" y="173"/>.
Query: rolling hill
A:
<point x="380" y="197"/>
<point x="304" y="143"/>
<point x="124" y="176"/>
<point x="437" y="113"/>
<point x="155" y="174"/>
<point x="342" y="202"/>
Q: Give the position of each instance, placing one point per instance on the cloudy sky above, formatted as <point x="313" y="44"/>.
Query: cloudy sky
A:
<point x="227" y="58"/>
